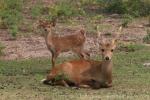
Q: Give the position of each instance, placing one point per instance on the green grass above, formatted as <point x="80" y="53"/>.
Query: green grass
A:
<point x="11" y="15"/>
<point x="131" y="80"/>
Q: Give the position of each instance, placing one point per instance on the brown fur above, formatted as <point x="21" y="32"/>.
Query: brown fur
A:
<point x="57" y="44"/>
<point x="88" y="73"/>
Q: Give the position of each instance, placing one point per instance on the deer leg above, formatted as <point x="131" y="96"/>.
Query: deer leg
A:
<point x="54" y="56"/>
<point x="109" y="84"/>
<point x="53" y="59"/>
<point x="85" y="83"/>
<point x="86" y="55"/>
<point x="50" y="77"/>
<point x="83" y="86"/>
<point x="64" y="83"/>
<point x="79" y="52"/>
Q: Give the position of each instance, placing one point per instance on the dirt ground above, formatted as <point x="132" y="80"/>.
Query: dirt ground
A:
<point x="34" y="45"/>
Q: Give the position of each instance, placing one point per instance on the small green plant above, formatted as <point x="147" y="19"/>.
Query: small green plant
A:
<point x="1" y="49"/>
<point x="98" y="18"/>
<point x="61" y="76"/>
<point x="126" y="20"/>
<point x="146" y="39"/>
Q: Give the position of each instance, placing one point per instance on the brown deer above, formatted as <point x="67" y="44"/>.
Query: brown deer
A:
<point x="59" y="44"/>
<point x="87" y="73"/>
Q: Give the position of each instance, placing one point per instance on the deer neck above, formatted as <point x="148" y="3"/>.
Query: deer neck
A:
<point x="106" y="67"/>
<point x="48" y="36"/>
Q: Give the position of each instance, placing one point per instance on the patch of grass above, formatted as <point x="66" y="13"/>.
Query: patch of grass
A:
<point x="146" y="39"/>
<point x="37" y="10"/>
<point x="134" y="8"/>
<point x="21" y="80"/>
<point x="1" y="49"/>
<point x="97" y="18"/>
<point x="65" y="9"/>
<point x="130" y="47"/>
<point x="11" y="15"/>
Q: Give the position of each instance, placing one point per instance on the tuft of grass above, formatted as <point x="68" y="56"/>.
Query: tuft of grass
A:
<point x="1" y="49"/>
<point x="146" y="39"/>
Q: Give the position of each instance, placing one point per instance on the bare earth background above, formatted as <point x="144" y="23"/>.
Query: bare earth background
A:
<point x="34" y="45"/>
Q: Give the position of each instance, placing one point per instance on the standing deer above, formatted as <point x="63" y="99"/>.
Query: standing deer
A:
<point x="57" y="44"/>
<point x="87" y="73"/>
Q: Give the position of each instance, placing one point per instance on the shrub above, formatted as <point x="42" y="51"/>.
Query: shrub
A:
<point x="126" y="20"/>
<point x="37" y="10"/>
<point x="117" y="6"/>
<point x="149" y="20"/>
<point x="98" y="17"/>
<point x="11" y="15"/>
<point x="135" y="8"/>
<point x="65" y="8"/>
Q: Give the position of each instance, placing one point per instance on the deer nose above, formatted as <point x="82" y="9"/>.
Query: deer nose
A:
<point x="107" y="58"/>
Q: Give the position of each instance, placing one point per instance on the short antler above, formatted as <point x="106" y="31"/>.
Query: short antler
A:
<point x="98" y="32"/>
<point x="120" y="29"/>
<point x="117" y="34"/>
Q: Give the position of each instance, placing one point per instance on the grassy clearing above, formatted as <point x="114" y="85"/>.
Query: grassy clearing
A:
<point x="21" y="80"/>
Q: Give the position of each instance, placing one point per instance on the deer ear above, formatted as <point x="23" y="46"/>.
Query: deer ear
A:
<point x="114" y="41"/>
<point x="99" y="34"/>
<point x="53" y="22"/>
<point x="100" y="38"/>
<point x="40" y="22"/>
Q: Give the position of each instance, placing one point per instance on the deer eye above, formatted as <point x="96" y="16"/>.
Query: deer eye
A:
<point x="102" y="50"/>
<point x="112" y="50"/>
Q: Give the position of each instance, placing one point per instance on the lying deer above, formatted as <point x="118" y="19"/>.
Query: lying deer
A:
<point x="86" y="73"/>
<point x="57" y="44"/>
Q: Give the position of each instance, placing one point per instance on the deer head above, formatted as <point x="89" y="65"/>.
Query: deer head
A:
<point x="108" y="45"/>
<point x="47" y="25"/>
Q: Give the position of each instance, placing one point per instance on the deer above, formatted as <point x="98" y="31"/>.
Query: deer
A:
<point x="58" y="44"/>
<point x="88" y="73"/>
